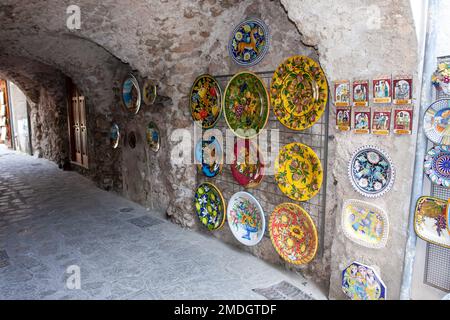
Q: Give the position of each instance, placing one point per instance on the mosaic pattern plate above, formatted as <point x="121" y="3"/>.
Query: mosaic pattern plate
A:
<point x="299" y="92"/>
<point x="371" y="171"/>
<point x="436" y="122"/>
<point x="208" y="154"/>
<point x="210" y="206"/>
<point x="430" y="221"/>
<point x="293" y="233"/>
<point x="114" y="135"/>
<point x="437" y="165"/>
<point x="206" y="101"/>
<point x="248" y="165"/>
<point x="365" y="224"/>
<point x="131" y="94"/>
<point x="246" y="104"/>
<point x="149" y="93"/>
<point x="298" y="171"/>
<point x="361" y="282"/>
<point x="246" y="218"/>
<point x="153" y="137"/>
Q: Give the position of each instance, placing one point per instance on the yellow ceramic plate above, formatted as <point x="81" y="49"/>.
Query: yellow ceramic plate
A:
<point x="298" y="171"/>
<point x="299" y="92"/>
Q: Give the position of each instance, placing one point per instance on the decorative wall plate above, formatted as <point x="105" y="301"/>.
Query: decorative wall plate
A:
<point x="437" y="165"/>
<point x="131" y="94"/>
<point x="441" y="77"/>
<point x="361" y="282"/>
<point x="248" y="165"/>
<point x="430" y="221"/>
<point x="246" y="218"/>
<point x="371" y="171"/>
<point x="293" y="233"/>
<point x="210" y="206"/>
<point x="299" y="92"/>
<point x="209" y="155"/>
<point x="153" y="137"/>
<point x="249" y="42"/>
<point x="298" y="171"/>
<point x="436" y="122"/>
<point x="206" y="101"/>
<point x="114" y="135"/>
<point x="246" y="104"/>
<point x="149" y="93"/>
<point x="365" y="224"/>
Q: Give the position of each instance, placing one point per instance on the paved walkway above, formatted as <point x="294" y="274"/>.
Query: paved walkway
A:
<point x="51" y="220"/>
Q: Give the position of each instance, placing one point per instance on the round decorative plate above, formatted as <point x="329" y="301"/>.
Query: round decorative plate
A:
<point x="153" y="137"/>
<point x="208" y="153"/>
<point x="246" y="104"/>
<point x="431" y="221"/>
<point x="210" y="206"/>
<point x="114" y="135"/>
<point x="131" y="94"/>
<point x="248" y="165"/>
<point x="249" y="42"/>
<point x="206" y="101"/>
<point x="149" y="93"/>
<point x="371" y="171"/>
<point x="437" y="165"/>
<point x="293" y="233"/>
<point x="361" y="282"/>
<point x="246" y="218"/>
<point x="299" y="92"/>
<point x="436" y="122"/>
<point x="298" y="171"/>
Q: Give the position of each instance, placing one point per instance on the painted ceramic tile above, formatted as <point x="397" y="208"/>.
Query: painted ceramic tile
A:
<point x="149" y="93"/>
<point x="436" y="122"/>
<point x="403" y="121"/>
<point x="361" y="93"/>
<point x="246" y="218"/>
<point x="365" y="224"/>
<point x="248" y="165"/>
<point x="371" y="171"/>
<point x="153" y="137"/>
<point x="362" y="122"/>
<point x="437" y="165"/>
<point x="430" y="221"/>
<point x="131" y="94"/>
<point x="210" y="206"/>
<point x="293" y="233"/>
<point x="342" y="93"/>
<point x="343" y="118"/>
<point x="402" y="90"/>
<point x="361" y="282"/>
<point x="382" y="90"/>
<point x="206" y="101"/>
<point x="299" y="92"/>
<point x="441" y="78"/>
<point x="249" y="42"/>
<point x="209" y="155"/>
<point x="246" y="105"/>
<point x="298" y="172"/>
<point x="114" y="135"/>
<point x="381" y="122"/>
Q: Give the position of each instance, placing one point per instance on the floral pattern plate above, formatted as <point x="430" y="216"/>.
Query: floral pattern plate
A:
<point x="249" y="42"/>
<point x="114" y="135"/>
<point x="153" y="137"/>
<point x="371" y="171"/>
<point x="293" y="233"/>
<point x="131" y="94"/>
<point x="437" y="165"/>
<point x="430" y="221"/>
<point x="361" y="282"/>
<point x="246" y="218"/>
<point x="298" y="172"/>
<point x="248" y="165"/>
<point x="365" y="224"/>
<point x="441" y="77"/>
<point x="436" y="122"/>
<point x="299" y="92"/>
<point x="246" y="105"/>
<point x="206" y="101"/>
<point x="210" y="206"/>
<point x="208" y="154"/>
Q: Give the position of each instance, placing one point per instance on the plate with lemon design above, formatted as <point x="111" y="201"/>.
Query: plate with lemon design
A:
<point x="206" y="101"/>
<point x="293" y="233"/>
<point x="298" y="171"/>
<point x="210" y="206"/>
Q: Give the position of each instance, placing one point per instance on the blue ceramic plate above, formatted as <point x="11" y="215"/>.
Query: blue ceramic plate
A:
<point x="208" y="154"/>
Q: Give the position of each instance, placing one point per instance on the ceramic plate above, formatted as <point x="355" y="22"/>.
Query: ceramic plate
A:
<point x="210" y="206"/>
<point x="248" y="165"/>
<point x="208" y="154"/>
<point x="436" y="122"/>
<point x="153" y="137"/>
<point x="298" y="171"/>
<point x="293" y="233"/>
<point x="249" y="42"/>
<point x="365" y="224"/>
<point x="114" y="135"/>
<point x="246" y="105"/>
<point x="149" y="93"/>
<point x="246" y="218"/>
<point x="361" y="282"/>
<point x="299" y="92"/>
<point x="131" y="94"/>
<point x="437" y="165"/>
<point x="430" y="221"/>
<point x="206" y="101"/>
<point x="371" y="171"/>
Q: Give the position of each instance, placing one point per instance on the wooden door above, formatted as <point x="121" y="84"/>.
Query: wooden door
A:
<point x="5" y="116"/>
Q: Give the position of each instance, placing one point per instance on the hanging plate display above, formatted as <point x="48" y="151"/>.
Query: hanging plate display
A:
<point x="149" y="93"/>
<point x="153" y="137"/>
<point x="365" y="224"/>
<point x="246" y="105"/>
<point x="248" y="166"/>
<point x="131" y="94"/>
<point x="371" y="171"/>
<point x="208" y="154"/>
<point x="206" y="101"/>
<point x="361" y="282"/>
<point x="430" y="221"/>
<point x="436" y="122"/>
<point x="437" y="165"/>
<point x="293" y="233"/>
<point x="114" y="135"/>
<point x="210" y="206"/>
<point x="299" y="92"/>
<point x="298" y="171"/>
<point x="246" y="218"/>
<point x="249" y="42"/>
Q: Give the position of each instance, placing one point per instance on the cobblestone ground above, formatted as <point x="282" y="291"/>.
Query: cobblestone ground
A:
<point x="51" y="220"/>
